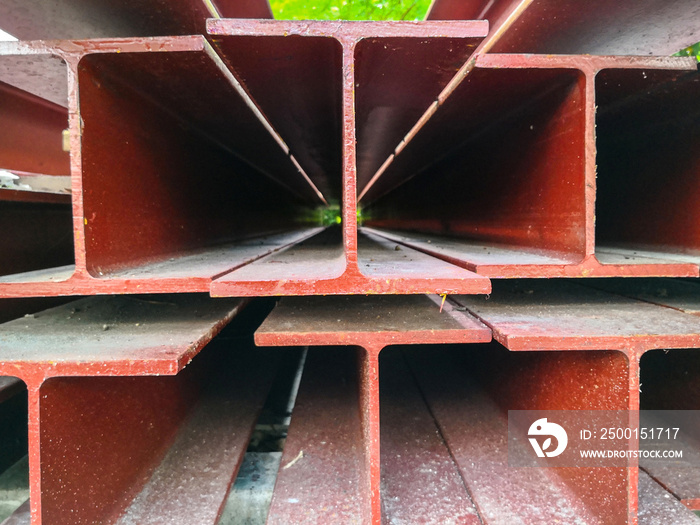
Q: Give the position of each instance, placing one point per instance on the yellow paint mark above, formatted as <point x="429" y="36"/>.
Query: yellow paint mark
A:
<point x="444" y="298"/>
<point x="85" y="221"/>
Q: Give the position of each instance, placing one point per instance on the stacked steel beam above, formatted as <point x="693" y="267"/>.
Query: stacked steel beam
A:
<point x="184" y="149"/>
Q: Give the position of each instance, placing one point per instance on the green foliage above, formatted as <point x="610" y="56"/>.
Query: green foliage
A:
<point x="690" y="51"/>
<point x="350" y="9"/>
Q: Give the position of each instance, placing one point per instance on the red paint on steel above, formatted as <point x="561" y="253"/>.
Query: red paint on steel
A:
<point x="347" y="31"/>
<point x="67" y="19"/>
<point x="396" y="80"/>
<point x="602" y="27"/>
<point x="196" y="474"/>
<point x="321" y="473"/>
<point x="31" y="137"/>
<point x="470" y="406"/>
<point x="43" y="75"/>
<point x="297" y="81"/>
<point x="644" y="129"/>
<point x="319" y="267"/>
<point x="116" y="336"/>
<point x="101" y="438"/>
<point x="150" y="151"/>
<point x="454" y="178"/>
<point x="373" y="323"/>
<point x="420" y="481"/>
<point x="550" y="315"/>
<point x="112" y="336"/>
<point x="243" y="8"/>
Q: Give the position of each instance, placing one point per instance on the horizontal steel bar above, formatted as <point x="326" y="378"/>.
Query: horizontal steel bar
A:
<point x="347" y="29"/>
<point x="550" y="315"/>
<point x="374" y="321"/>
<point x="113" y="336"/>
<point x="319" y="266"/>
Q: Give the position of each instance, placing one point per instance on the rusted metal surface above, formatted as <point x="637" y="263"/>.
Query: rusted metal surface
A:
<point x="195" y="475"/>
<point x="367" y="321"/>
<point x="152" y="438"/>
<point x="42" y="75"/>
<point x="354" y="278"/>
<point x="549" y="315"/>
<point x="70" y="19"/>
<point x="113" y="336"/>
<point x="321" y="472"/>
<point x="31" y="138"/>
<point x="372" y="323"/>
<point x="420" y="191"/>
<point x="320" y="266"/>
<point x="469" y="393"/>
<point x="420" y="481"/>
<point x="656" y="505"/>
<point x="151" y="147"/>
<point x="646" y="125"/>
<point x="397" y="79"/>
<point x="297" y="81"/>
<point x="112" y="418"/>
<point x="603" y="27"/>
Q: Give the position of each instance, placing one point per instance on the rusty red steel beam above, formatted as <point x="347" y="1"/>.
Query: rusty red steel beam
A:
<point x="562" y="316"/>
<point x="184" y="437"/>
<point x="118" y="335"/>
<point x="322" y="470"/>
<point x="71" y="19"/>
<point x="420" y="481"/>
<point x="42" y="75"/>
<point x="354" y="278"/>
<point x="371" y="323"/>
<point x="90" y="339"/>
<point x="165" y="246"/>
<point x="600" y="27"/>
<point x="190" y="62"/>
<point x="32" y="128"/>
<point x="195" y="476"/>
<point x="555" y="315"/>
<point x="307" y="58"/>
<point x="539" y="225"/>
<point x="469" y="392"/>
<point x="319" y="265"/>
